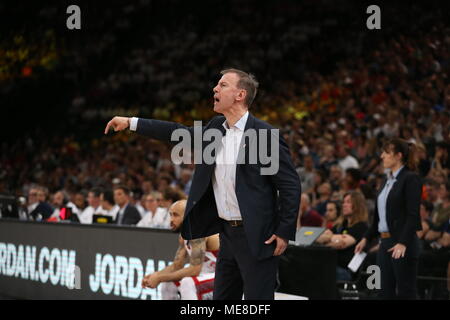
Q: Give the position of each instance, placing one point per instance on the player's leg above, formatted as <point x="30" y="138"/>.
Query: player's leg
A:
<point x="169" y="291"/>
<point x="187" y="289"/>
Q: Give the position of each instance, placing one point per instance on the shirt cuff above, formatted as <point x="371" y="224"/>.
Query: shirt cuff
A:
<point x="133" y="123"/>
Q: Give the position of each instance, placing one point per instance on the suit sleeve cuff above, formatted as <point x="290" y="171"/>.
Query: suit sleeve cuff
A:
<point x="133" y="123"/>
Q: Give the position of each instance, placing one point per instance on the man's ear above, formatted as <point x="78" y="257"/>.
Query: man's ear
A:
<point x="241" y="95"/>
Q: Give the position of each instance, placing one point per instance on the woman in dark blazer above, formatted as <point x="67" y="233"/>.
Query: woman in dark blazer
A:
<point x="396" y="220"/>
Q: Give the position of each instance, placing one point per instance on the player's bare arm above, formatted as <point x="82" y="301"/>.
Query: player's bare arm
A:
<point x="198" y="248"/>
<point x="181" y="258"/>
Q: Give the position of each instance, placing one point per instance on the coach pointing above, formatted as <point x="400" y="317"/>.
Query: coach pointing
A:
<point x="255" y="214"/>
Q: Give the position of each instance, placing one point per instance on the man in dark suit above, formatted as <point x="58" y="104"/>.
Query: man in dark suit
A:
<point x="254" y="213"/>
<point x="128" y="214"/>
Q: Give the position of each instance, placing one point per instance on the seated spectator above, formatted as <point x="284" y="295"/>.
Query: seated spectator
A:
<point x="439" y="217"/>
<point x="346" y="160"/>
<point x="61" y="201"/>
<point x="94" y="206"/>
<point x="432" y="192"/>
<point x="37" y="208"/>
<point x="196" y="281"/>
<point x="185" y="180"/>
<point x="164" y="182"/>
<point x="426" y="208"/>
<point x="308" y="217"/>
<point x="128" y="214"/>
<point x="352" y="180"/>
<point x="434" y="261"/>
<point x="80" y="202"/>
<point x="336" y="178"/>
<point x="328" y="159"/>
<point x="324" y="192"/>
<point x="42" y="194"/>
<point x="347" y="232"/>
<point x="138" y="201"/>
<point x="171" y="195"/>
<point x="108" y="206"/>
<point x="155" y="216"/>
<point x="306" y="173"/>
<point x="332" y="214"/>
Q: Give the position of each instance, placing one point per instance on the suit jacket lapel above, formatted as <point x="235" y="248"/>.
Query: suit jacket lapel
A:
<point x="394" y="184"/>
<point x="244" y="146"/>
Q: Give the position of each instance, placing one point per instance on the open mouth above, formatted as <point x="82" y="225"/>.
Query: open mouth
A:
<point x="216" y="99"/>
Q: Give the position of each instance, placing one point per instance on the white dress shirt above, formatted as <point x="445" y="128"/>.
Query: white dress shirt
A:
<point x="87" y="216"/>
<point x="112" y="212"/>
<point x="161" y="219"/>
<point x="224" y="177"/>
<point x="382" y="200"/>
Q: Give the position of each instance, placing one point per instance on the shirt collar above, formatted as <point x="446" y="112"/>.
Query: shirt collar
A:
<point x="240" y="124"/>
<point x="393" y="175"/>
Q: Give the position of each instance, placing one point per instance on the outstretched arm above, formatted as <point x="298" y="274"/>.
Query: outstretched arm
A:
<point x="157" y="129"/>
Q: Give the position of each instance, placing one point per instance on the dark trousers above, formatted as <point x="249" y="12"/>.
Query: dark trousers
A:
<point x="239" y="272"/>
<point x="398" y="276"/>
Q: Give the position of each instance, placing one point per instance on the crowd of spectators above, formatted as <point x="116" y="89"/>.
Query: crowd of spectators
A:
<point x="335" y="90"/>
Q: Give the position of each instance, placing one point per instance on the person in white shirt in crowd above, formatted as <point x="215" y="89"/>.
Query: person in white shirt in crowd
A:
<point x="79" y="200"/>
<point x="346" y="160"/>
<point x="139" y="199"/>
<point x="155" y="215"/>
<point x="94" y="207"/>
<point x="161" y="217"/>
<point x="108" y="207"/>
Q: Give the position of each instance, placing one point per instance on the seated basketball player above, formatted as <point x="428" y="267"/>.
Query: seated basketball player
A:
<point x="196" y="281"/>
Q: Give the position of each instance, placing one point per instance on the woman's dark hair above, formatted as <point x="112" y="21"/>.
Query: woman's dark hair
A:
<point x="407" y="149"/>
<point x="338" y="206"/>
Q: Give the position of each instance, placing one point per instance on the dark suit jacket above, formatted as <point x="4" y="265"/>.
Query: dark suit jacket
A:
<point x="131" y="216"/>
<point x="268" y="203"/>
<point x="402" y="208"/>
<point x="44" y="209"/>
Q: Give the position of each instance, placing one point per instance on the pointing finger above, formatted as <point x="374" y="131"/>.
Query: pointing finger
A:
<point x="107" y="127"/>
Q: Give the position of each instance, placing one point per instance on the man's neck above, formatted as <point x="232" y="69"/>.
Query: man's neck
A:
<point x="234" y="114"/>
<point x="124" y="205"/>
